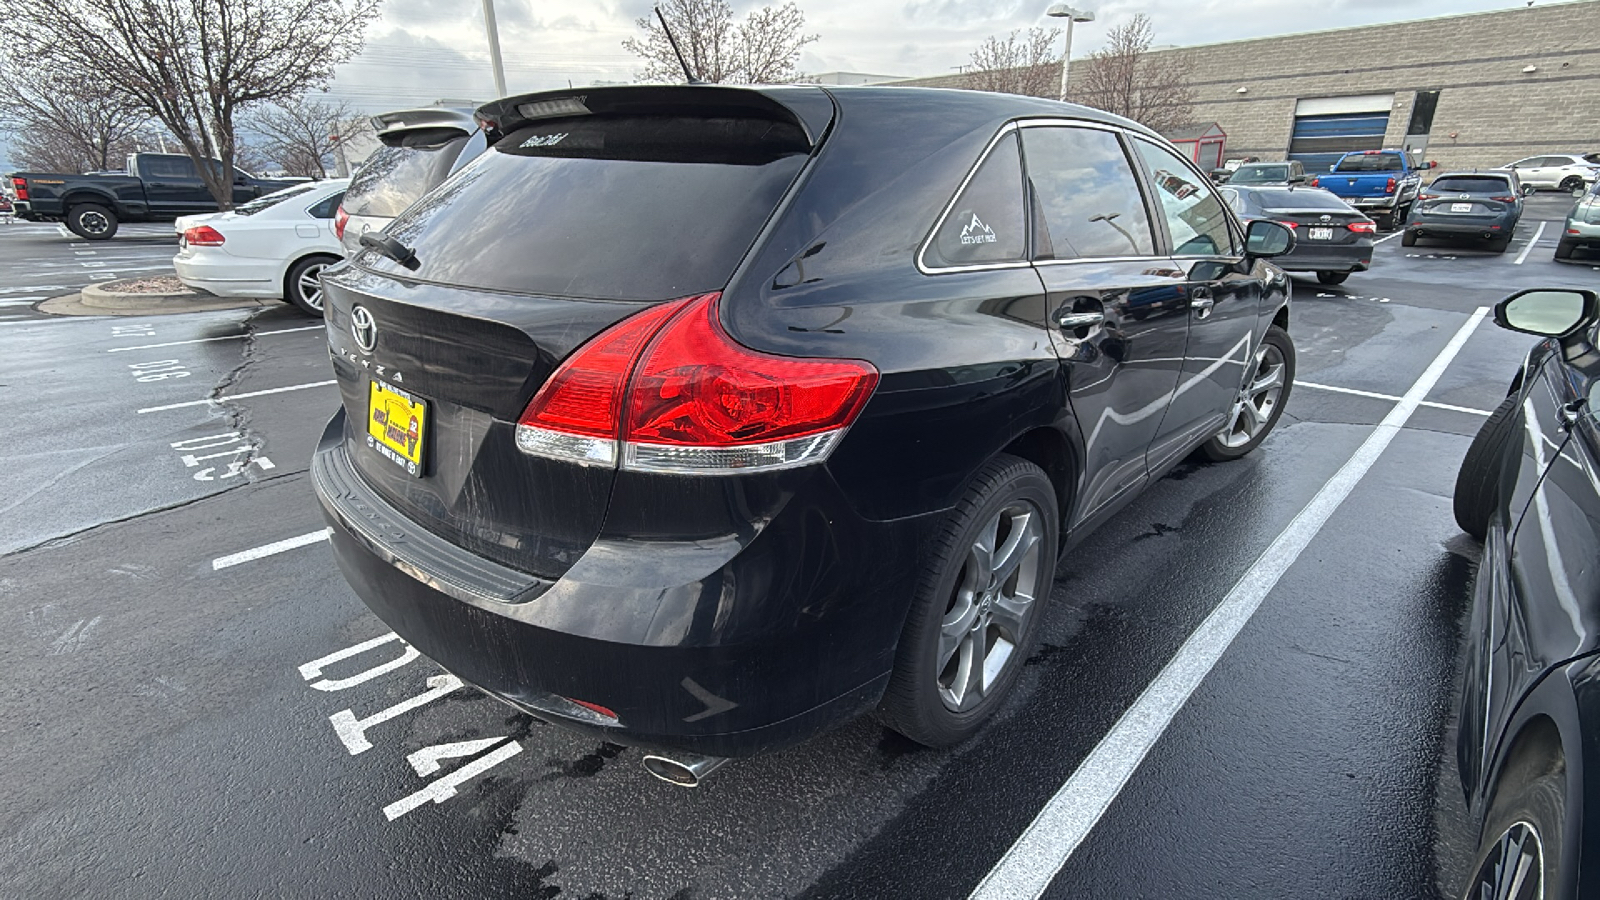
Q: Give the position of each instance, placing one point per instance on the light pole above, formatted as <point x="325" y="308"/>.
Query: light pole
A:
<point x="494" y="48"/>
<point x="1063" y="11"/>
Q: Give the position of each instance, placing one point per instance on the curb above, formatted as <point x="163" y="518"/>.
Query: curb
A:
<point x="143" y="305"/>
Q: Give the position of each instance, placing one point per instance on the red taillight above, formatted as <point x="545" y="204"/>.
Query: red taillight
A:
<point x="1317" y="181"/>
<point x="684" y="397"/>
<point x="1506" y="199"/>
<point x="203" y="236"/>
<point x="594" y="708"/>
<point x="1363" y="227"/>
<point x="1290" y="225"/>
<point x="340" y="219"/>
<point x="1389" y="188"/>
<point x="20" y="185"/>
<point x="1427" y="196"/>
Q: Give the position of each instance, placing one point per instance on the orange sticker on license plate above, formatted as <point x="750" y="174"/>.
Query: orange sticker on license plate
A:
<point x="397" y="423"/>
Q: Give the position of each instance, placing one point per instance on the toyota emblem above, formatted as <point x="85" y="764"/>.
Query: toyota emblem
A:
<point x="363" y="328"/>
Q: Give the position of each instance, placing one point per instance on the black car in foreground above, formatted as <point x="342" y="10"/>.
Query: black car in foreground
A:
<point x="1528" y="744"/>
<point x="1470" y="206"/>
<point x="705" y="418"/>
<point x="1333" y="238"/>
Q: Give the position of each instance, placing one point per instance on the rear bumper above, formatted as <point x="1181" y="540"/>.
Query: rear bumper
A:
<point x="1309" y="257"/>
<point x="227" y="276"/>
<point x="724" y="646"/>
<point x="1434" y="227"/>
<point x="1388" y="201"/>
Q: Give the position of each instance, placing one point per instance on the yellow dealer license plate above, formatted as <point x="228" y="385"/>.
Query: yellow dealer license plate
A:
<point x="397" y="425"/>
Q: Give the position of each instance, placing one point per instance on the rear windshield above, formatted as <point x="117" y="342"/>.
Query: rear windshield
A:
<point x="1260" y="174"/>
<point x="273" y="199"/>
<point x="1307" y="198"/>
<point x="394" y="177"/>
<point x="1471" y="184"/>
<point x="1376" y="162"/>
<point x="627" y="207"/>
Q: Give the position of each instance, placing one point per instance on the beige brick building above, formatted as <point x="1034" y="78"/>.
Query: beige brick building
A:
<point x="1502" y="85"/>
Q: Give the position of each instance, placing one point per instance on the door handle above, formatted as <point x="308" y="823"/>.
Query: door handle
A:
<point x="1202" y="306"/>
<point x="1079" y="319"/>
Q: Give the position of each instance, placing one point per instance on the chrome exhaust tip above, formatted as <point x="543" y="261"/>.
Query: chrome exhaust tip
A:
<point x="686" y="771"/>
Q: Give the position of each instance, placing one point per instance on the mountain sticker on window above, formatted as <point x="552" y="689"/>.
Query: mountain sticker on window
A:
<point x="976" y="232"/>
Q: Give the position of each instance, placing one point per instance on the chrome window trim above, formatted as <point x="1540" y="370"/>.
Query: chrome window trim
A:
<point x="1236" y="228"/>
<point x="950" y="205"/>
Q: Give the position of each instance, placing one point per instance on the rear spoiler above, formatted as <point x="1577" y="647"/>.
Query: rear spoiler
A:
<point x="394" y="124"/>
<point x="808" y="107"/>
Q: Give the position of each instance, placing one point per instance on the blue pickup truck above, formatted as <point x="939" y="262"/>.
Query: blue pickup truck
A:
<point x="1381" y="183"/>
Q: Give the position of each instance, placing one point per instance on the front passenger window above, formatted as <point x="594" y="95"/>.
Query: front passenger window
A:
<point x="1194" y="215"/>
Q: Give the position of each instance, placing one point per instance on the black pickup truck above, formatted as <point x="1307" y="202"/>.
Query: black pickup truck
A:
<point x="156" y="187"/>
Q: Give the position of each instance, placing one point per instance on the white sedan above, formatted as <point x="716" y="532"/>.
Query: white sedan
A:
<point x="275" y="246"/>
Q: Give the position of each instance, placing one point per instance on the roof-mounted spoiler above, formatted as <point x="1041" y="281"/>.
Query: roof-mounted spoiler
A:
<point x="807" y="107"/>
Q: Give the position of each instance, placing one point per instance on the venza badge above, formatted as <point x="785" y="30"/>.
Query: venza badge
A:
<point x="363" y="328"/>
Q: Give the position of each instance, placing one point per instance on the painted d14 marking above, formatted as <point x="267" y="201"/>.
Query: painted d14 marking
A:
<point x="235" y="468"/>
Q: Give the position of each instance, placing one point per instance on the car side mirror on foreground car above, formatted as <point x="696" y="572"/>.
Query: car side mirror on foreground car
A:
<point x="1265" y="238"/>
<point x="1567" y="315"/>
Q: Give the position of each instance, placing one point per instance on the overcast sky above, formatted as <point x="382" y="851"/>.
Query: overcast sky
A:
<point x="422" y="50"/>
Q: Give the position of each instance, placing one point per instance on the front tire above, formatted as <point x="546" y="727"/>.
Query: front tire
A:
<point x="1332" y="277"/>
<point x="92" y="222"/>
<point x="303" y="287"/>
<point x="1477" y="484"/>
<point x="977" y="607"/>
<point x="1522" y="832"/>
<point x="1261" y="400"/>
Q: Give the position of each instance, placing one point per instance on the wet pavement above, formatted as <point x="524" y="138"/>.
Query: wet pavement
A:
<point x="178" y="649"/>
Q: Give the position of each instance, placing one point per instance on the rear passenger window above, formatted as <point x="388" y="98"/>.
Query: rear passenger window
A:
<point x="986" y="224"/>
<point x="327" y="208"/>
<point x="1088" y="201"/>
<point x="1194" y="215"/>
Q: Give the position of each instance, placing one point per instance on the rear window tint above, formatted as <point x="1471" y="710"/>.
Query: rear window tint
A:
<point x="1471" y="184"/>
<point x="1374" y="162"/>
<point x="627" y="208"/>
<point x="393" y="178"/>
<point x="273" y="199"/>
<point x="1088" y="196"/>
<point x="1260" y="174"/>
<point x="1300" y="198"/>
<point x="986" y="224"/>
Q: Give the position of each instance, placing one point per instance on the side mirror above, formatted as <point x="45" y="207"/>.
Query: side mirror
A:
<point x="1218" y="176"/>
<point x="1432" y="164"/>
<point x="1331" y="168"/>
<point x="1527" y="190"/>
<point x="1548" y="313"/>
<point x="1265" y="238"/>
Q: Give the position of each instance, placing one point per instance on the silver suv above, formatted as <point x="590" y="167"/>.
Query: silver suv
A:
<point x="1560" y="171"/>
<point x="420" y="148"/>
<point x="1582" y="228"/>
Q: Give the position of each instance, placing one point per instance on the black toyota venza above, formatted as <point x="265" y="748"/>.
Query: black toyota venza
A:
<point x="705" y="418"/>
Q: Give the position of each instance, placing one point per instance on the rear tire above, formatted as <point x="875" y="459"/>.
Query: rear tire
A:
<point x="1477" y="484"/>
<point x="1261" y="400"/>
<point x="301" y="286"/>
<point x="1565" y="249"/>
<point x="1571" y="183"/>
<point x="1332" y="277"/>
<point x="92" y="222"/>
<point x="977" y="607"/>
<point x="1409" y="239"/>
<point x="1499" y="244"/>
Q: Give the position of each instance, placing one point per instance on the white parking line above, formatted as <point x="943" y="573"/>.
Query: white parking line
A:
<point x="218" y="401"/>
<point x="1032" y="862"/>
<point x="272" y="549"/>
<point x="1529" y="249"/>
<point x="1389" y="238"/>
<point x="226" y="337"/>
<point x="1390" y="397"/>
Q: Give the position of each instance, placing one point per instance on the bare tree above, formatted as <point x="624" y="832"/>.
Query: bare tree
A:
<point x="62" y="124"/>
<point x="1126" y="79"/>
<point x="763" y="49"/>
<point x="300" y="134"/>
<point x="193" y="65"/>
<point x="1023" y="63"/>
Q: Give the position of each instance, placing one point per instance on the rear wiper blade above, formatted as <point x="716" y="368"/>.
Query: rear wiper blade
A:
<point x="391" y="248"/>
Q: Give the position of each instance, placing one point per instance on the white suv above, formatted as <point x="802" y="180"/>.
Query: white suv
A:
<point x="1563" y="171"/>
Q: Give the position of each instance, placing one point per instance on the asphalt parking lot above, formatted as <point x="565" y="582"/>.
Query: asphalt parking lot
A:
<point x="1243" y="689"/>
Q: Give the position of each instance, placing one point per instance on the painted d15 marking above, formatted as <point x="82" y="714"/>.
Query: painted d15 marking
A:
<point x="235" y="466"/>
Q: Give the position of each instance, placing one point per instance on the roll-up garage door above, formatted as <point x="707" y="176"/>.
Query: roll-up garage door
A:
<point x="1326" y="127"/>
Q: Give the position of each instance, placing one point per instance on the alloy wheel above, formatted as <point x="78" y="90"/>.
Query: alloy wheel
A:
<point x="309" y="285"/>
<point x="988" y="612"/>
<point x="94" y="223"/>
<point x="1513" y="868"/>
<point x="1258" y="399"/>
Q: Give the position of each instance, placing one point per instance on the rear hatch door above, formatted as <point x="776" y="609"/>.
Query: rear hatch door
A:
<point x="566" y="225"/>
<point x="1469" y="199"/>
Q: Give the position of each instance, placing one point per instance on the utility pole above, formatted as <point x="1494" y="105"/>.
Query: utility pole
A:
<point x="494" y="48"/>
